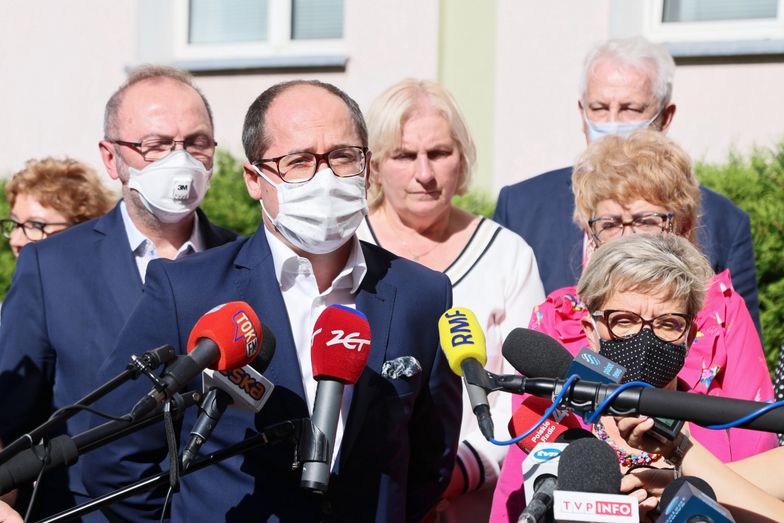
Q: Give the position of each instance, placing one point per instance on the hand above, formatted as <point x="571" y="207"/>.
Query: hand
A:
<point x="8" y="515"/>
<point x="635" y="432"/>
<point x="647" y="486"/>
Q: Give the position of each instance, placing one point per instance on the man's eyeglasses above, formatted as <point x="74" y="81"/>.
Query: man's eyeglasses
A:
<point x="154" y="148"/>
<point x="33" y="230"/>
<point x="301" y="167"/>
<point x="605" y="228"/>
<point x="622" y="324"/>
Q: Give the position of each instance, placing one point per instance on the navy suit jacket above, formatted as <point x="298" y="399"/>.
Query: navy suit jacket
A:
<point x="540" y="210"/>
<point x="70" y="296"/>
<point x="401" y="435"/>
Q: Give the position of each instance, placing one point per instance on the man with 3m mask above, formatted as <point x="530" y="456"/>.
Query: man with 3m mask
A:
<point x="73" y="292"/>
<point x="625" y="85"/>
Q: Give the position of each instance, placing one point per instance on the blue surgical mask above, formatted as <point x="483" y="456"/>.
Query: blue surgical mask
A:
<point x="598" y="130"/>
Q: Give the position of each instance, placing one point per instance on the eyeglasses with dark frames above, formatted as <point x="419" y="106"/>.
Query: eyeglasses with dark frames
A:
<point x="301" y="167"/>
<point x="606" y="228"/>
<point x="154" y="148"/>
<point x="33" y="230"/>
<point x="623" y="324"/>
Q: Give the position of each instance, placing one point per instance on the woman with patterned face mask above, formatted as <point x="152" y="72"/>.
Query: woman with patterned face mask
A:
<point x="644" y="184"/>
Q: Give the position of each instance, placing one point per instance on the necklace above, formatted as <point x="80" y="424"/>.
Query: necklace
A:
<point x="626" y="458"/>
<point x="416" y="257"/>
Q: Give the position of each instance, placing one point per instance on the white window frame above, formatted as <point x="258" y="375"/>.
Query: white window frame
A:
<point x="279" y="44"/>
<point x="718" y="31"/>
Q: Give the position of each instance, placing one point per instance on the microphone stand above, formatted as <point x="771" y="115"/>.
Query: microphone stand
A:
<point x="311" y="444"/>
<point x="148" y="362"/>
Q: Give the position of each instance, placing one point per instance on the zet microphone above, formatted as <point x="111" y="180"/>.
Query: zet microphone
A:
<point x="691" y="500"/>
<point x="227" y="337"/>
<point x="244" y="388"/>
<point x="463" y="343"/>
<point x="339" y="353"/>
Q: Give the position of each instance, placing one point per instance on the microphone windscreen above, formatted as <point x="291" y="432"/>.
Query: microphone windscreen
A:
<point x="235" y="328"/>
<point x="529" y="412"/>
<point x="341" y="344"/>
<point x="535" y="355"/>
<point x="672" y="489"/>
<point x="589" y="465"/>
<point x="267" y="351"/>
<point x="461" y="338"/>
<point x="569" y="436"/>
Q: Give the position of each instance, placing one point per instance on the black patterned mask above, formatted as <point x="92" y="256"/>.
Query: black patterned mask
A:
<point x="646" y="357"/>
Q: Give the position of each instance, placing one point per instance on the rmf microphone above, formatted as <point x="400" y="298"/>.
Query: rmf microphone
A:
<point x="226" y="337"/>
<point x="463" y="343"/>
<point x="340" y="349"/>
<point x="689" y="499"/>
<point x="244" y="388"/>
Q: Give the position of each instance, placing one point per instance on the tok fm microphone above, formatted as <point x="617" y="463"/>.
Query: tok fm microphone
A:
<point x="340" y="348"/>
<point x="691" y="500"/>
<point x="463" y="343"/>
<point x="244" y="388"/>
<point x="226" y="337"/>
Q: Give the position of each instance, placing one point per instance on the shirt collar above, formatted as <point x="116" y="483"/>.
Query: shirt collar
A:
<point x="287" y="263"/>
<point x="140" y="243"/>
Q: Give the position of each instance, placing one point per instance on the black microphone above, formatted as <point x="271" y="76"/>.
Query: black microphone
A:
<point x="226" y="337"/>
<point x="340" y="348"/>
<point x="691" y="500"/>
<point x="244" y="388"/>
<point x="535" y="354"/>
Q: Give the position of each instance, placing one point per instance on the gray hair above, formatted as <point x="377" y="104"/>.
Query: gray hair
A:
<point x="141" y="74"/>
<point x="255" y="141"/>
<point x="663" y="265"/>
<point x="637" y="53"/>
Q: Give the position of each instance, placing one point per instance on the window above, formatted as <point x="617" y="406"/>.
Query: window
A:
<point x="260" y="33"/>
<point x="715" y="20"/>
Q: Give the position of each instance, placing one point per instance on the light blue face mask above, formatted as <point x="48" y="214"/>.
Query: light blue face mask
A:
<point x="598" y="130"/>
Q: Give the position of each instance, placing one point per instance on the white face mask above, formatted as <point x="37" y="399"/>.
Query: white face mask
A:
<point x="172" y="187"/>
<point x="320" y="215"/>
<point x="598" y="130"/>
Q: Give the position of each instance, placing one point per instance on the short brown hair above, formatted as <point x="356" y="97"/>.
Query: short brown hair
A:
<point x="646" y="165"/>
<point x="67" y="186"/>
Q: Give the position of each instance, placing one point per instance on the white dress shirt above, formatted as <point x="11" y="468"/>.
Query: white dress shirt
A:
<point x="304" y="304"/>
<point x="143" y="248"/>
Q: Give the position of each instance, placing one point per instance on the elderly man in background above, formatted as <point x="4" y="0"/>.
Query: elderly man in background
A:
<point x="306" y="144"/>
<point x="625" y="85"/>
<point x="72" y="293"/>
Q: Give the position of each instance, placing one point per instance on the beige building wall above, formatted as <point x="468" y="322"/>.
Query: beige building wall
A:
<point x="513" y="65"/>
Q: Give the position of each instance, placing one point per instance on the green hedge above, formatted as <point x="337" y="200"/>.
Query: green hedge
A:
<point x="755" y="183"/>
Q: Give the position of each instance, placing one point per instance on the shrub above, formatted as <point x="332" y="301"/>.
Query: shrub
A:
<point x="756" y="184"/>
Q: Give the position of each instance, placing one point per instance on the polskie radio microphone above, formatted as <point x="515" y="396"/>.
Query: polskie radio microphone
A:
<point x="690" y="499"/>
<point x="226" y="337"/>
<point x="339" y="353"/>
<point x="589" y="480"/>
<point x="244" y="388"/>
<point x="529" y="413"/>
<point x="463" y="343"/>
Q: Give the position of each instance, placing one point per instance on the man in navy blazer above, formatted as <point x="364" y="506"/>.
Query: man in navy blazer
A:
<point x="306" y="144"/>
<point x="625" y="84"/>
<point x="72" y="293"/>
